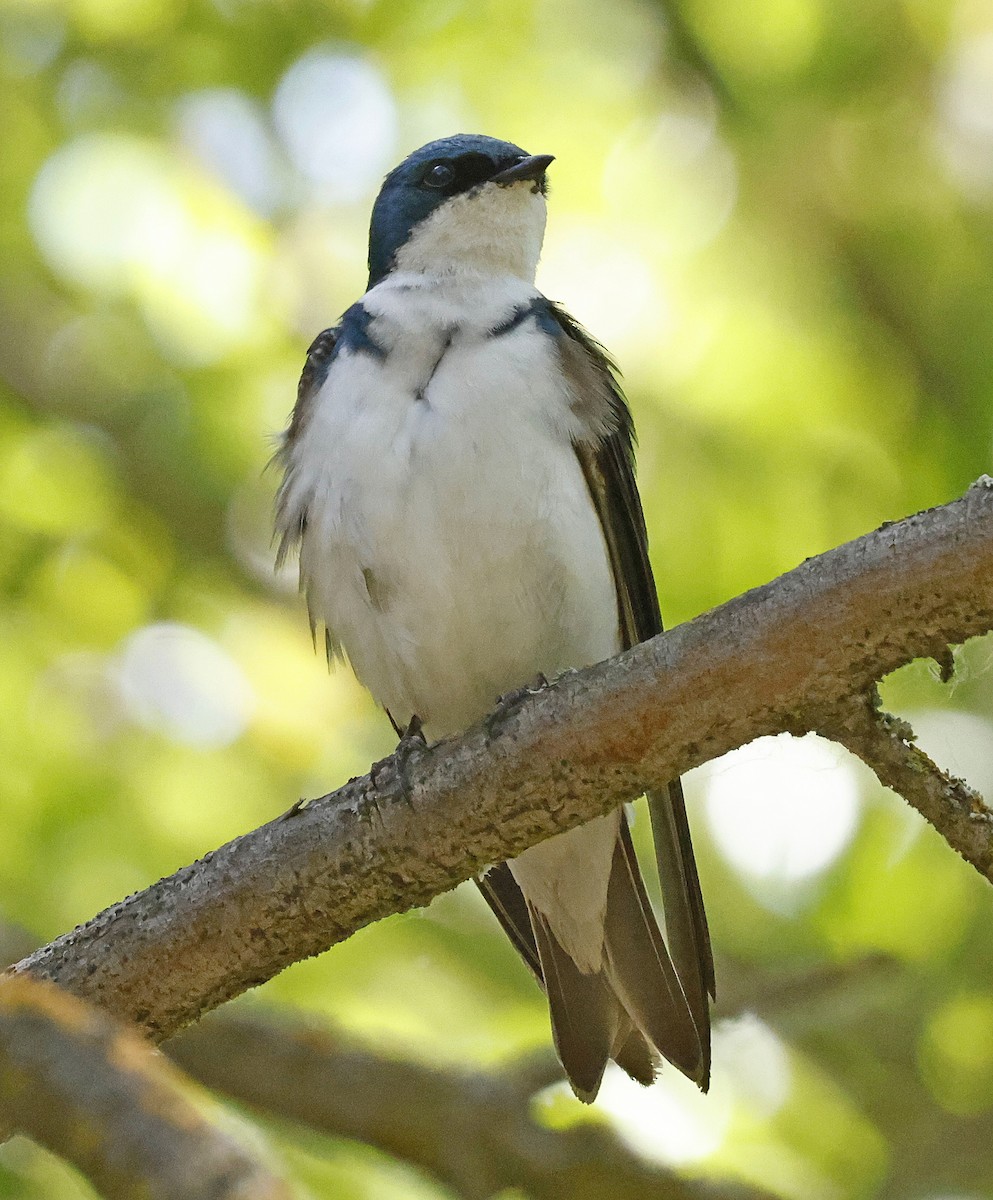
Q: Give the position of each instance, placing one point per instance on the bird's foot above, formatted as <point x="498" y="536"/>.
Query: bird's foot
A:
<point x="509" y="702"/>
<point x="413" y="736"/>
<point x="390" y="775"/>
<point x="296" y="807"/>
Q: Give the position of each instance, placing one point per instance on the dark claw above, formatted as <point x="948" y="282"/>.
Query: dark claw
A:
<point x="294" y="809"/>
<point x="506" y="703"/>
<point x="389" y="775"/>
<point x="513" y="698"/>
<point x="414" y="733"/>
<point x="946" y="664"/>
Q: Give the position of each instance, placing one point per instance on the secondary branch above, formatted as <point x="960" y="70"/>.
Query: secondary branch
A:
<point x="472" y="1131"/>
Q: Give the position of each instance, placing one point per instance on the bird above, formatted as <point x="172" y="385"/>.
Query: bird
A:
<point x="458" y="479"/>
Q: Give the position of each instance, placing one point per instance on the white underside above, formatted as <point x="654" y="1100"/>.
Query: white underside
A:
<point x="451" y="543"/>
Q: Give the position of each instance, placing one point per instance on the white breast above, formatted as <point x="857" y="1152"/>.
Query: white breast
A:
<point x="451" y="543"/>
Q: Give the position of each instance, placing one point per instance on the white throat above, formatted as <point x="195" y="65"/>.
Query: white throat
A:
<point x="491" y="230"/>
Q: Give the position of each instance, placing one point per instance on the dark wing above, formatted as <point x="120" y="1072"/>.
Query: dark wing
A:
<point x="352" y="333"/>
<point x="505" y="898"/>
<point x="320" y="355"/>
<point x="291" y="509"/>
<point x="292" y="499"/>
<point x="608" y="465"/>
<point x="606" y="455"/>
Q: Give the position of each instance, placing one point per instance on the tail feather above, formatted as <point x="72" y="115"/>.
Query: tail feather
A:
<point x="636" y="1056"/>
<point x="586" y="1015"/>
<point x="642" y="1002"/>
<point x="640" y="971"/>
<point x="506" y="900"/>
<point x="631" y="1051"/>
<point x="674" y="853"/>
<point x="685" y="921"/>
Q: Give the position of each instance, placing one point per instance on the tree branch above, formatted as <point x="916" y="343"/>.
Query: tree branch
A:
<point x="785" y="657"/>
<point x="98" y="1096"/>
<point x="475" y="1132"/>
<point x="688" y="48"/>
<point x="472" y="1131"/>
<point x="885" y="743"/>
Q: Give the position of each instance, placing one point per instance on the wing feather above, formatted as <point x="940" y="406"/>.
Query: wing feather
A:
<point x="292" y="500"/>
<point x="607" y="462"/>
<point x="291" y="507"/>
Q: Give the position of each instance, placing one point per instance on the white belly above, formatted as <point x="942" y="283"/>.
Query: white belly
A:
<point x="451" y="543"/>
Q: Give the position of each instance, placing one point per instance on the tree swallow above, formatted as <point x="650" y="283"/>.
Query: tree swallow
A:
<point x="459" y="476"/>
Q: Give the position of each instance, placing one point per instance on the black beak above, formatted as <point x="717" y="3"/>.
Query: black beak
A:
<point x="533" y="167"/>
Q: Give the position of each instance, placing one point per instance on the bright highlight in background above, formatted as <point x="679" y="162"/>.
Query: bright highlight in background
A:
<point x="959" y="742"/>
<point x="337" y="119"/>
<point x="674" y="1123"/>
<point x="226" y="131"/>
<point x="608" y="285"/>
<point x="178" y="682"/>
<point x="965" y="116"/>
<point x="782" y="809"/>
<point x="123" y="216"/>
<point x="670" y="1122"/>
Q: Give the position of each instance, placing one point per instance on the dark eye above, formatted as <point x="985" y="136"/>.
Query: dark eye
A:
<point x="439" y="176"/>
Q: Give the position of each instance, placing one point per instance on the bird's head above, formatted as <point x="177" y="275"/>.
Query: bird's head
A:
<point x="462" y="204"/>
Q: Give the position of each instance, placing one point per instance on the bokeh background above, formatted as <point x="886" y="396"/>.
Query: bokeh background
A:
<point x="778" y="214"/>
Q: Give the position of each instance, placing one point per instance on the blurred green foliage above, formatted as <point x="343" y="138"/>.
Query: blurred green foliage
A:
<point x="778" y="214"/>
